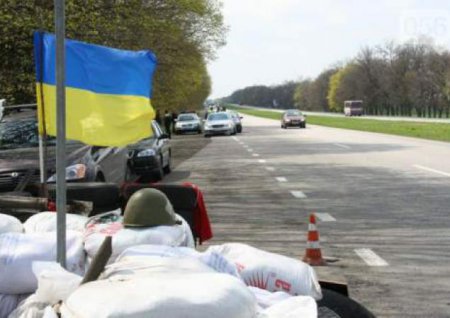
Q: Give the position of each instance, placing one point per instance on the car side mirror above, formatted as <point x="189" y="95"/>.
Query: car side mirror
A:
<point x="164" y="136"/>
<point x="241" y="117"/>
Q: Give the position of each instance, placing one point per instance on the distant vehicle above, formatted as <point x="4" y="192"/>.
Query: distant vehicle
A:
<point x="188" y="122"/>
<point x="293" y="118"/>
<point x="220" y="123"/>
<point x="237" y="121"/>
<point x="19" y="153"/>
<point x="353" y="108"/>
<point x="151" y="157"/>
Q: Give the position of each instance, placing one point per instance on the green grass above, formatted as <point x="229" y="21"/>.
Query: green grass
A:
<point x="433" y="131"/>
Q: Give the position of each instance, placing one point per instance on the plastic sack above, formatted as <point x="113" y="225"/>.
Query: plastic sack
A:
<point x="46" y="222"/>
<point x="9" y="223"/>
<point x="8" y="303"/>
<point x="30" y="308"/>
<point x="165" y="295"/>
<point x="273" y="272"/>
<point x="266" y="299"/>
<point x="293" y="307"/>
<point x="54" y="282"/>
<point x="176" y="235"/>
<point x="18" y="251"/>
<point x="211" y="259"/>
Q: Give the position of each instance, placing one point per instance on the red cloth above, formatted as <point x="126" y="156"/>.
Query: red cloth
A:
<point x="202" y="226"/>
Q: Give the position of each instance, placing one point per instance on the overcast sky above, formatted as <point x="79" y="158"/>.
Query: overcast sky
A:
<point x="272" y="41"/>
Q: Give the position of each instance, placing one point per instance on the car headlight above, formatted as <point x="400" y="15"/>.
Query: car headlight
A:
<point x="177" y="125"/>
<point x="287" y="120"/>
<point x="146" y="153"/>
<point x="229" y="125"/>
<point x="207" y="126"/>
<point x="74" y="172"/>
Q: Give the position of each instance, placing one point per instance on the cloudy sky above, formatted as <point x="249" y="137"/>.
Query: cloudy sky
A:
<point x="272" y="41"/>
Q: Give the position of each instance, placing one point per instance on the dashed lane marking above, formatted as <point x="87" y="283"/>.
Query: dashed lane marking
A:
<point x="342" y="146"/>
<point x="370" y="257"/>
<point x="261" y="160"/>
<point x="235" y="138"/>
<point x="250" y="150"/>
<point x="270" y="168"/>
<point x="255" y="155"/>
<point x="325" y="217"/>
<point x="298" y="194"/>
<point x="281" y="179"/>
<point x="432" y="170"/>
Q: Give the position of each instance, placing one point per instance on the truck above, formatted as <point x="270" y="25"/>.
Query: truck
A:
<point x="353" y="108"/>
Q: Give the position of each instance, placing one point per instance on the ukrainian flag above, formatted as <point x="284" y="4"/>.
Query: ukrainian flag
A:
<point x="108" y="91"/>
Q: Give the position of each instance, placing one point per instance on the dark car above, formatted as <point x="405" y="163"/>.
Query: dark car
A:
<point x="293" y="118"/>
<point x="151" y="157"/>
<point x="19" y="156"/>
<point x="237" y="121"/>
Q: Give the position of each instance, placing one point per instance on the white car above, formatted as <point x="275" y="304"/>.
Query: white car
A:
<point x="188" y="122"/>
<point x="220" y="123"/>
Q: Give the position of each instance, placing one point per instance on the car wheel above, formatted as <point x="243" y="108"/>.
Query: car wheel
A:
<point x="168" y="167"/>
<point x="104" y="196"/>
<point x="159" y="172"/>
<point x="239" y="129"/>
<point x="207" y="136"/>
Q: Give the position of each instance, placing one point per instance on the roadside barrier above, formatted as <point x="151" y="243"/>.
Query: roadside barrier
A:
<point x="313" y="254"/>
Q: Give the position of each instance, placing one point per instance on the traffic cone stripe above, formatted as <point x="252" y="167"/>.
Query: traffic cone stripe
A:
<point x="313" y="236"/>
<point x="313" y="245"/>
<point x="313" y="254"/>
<point x="312" y="227"/>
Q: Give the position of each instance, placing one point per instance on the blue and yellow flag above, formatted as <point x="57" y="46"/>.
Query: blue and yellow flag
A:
<point x="108" y="91"/>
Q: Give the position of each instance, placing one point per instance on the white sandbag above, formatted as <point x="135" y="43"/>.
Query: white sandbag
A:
<point x="18" y="251"/>
<point x="212" y="259"/>
<point x="8" y="303"/>
<point x="165" y="295"/>
<point x="55" y="283"/>
<point x="273" y="272"/>
<point x="30" y="308"/>
<point x="46" y="222"/>
<point x="293" y="307"/>
<point x="9" y="223"/>
<point x="124" y="238"/>
<point x="266" y="299"/>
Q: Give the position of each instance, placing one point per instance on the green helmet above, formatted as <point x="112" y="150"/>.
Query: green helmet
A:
<point x="149" y="207"/>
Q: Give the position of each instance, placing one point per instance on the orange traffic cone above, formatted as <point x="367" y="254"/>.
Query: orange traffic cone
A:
<point x="313" y="255"/>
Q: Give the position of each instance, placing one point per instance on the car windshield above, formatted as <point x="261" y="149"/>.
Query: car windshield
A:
<point x="186" y="117"/>
<point x="293" y="113"/>
<point x="20" y="134"/>
<point x="218" y="116"/>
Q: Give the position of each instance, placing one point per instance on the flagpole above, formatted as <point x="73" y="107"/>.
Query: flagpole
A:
<point x="60" y="133"/>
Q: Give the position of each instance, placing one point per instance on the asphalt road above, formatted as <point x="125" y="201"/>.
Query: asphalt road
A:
<point x="389" y="197"/>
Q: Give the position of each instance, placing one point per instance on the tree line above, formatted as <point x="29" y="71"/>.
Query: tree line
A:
<point x="184" y="35"/>
<point x="411" y="79"/>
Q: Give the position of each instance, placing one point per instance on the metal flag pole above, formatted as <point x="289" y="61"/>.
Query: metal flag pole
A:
<point x="60" y="133"/>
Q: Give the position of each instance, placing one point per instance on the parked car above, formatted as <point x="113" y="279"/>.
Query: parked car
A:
<point x="353" y="108"/>
<point x="151" y="157"/>
<point x="188" y="122"/>
<point x="19" y="156"/>
<point x="220" y="123"/>
<point x="237" y="121"/>
<point x="293" y="118"/>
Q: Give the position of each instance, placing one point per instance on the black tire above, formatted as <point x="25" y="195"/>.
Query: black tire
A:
<point x="104" y="196"/>
<point x="168" y="168"/>
<point x="239" y="129"/>
<point x="342" y="306"/>
<point x="199" y="131"/>
<point x="207" y="136"/>
<point x="158" y="174"/>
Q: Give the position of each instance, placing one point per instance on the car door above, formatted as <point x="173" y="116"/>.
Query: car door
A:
<point x="111" y="162"/>
<point x="162" y="144"/>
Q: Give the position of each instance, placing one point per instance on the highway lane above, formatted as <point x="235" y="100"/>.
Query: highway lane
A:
<point x="382" y="200"/>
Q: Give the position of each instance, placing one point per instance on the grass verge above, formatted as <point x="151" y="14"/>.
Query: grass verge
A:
<point x="432" y="131"/>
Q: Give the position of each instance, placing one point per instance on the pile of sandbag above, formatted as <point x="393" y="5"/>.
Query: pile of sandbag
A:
<point x="10" y="224"/>
<point x="46" y="222"/>
<point x="99" y="228"/>
<point x="270" y="271"/>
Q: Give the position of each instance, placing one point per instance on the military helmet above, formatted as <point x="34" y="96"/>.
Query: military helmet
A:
<point x="149" y="207"/>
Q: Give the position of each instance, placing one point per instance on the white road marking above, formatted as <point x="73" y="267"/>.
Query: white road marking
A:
<point x="262" y="161"/>
<point x="235" y="138"/>
<point x="250" y="150"/>
<point x="370" y="257"/>
<point x="255" y="155"/>
<point x="270" y="168"/>
<point x="432" y="170"/>
<point x="298" y="194"/>
<point x="325" y="217"/>
<point x="281" y="179"/>
<point x="342" y="146"/>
